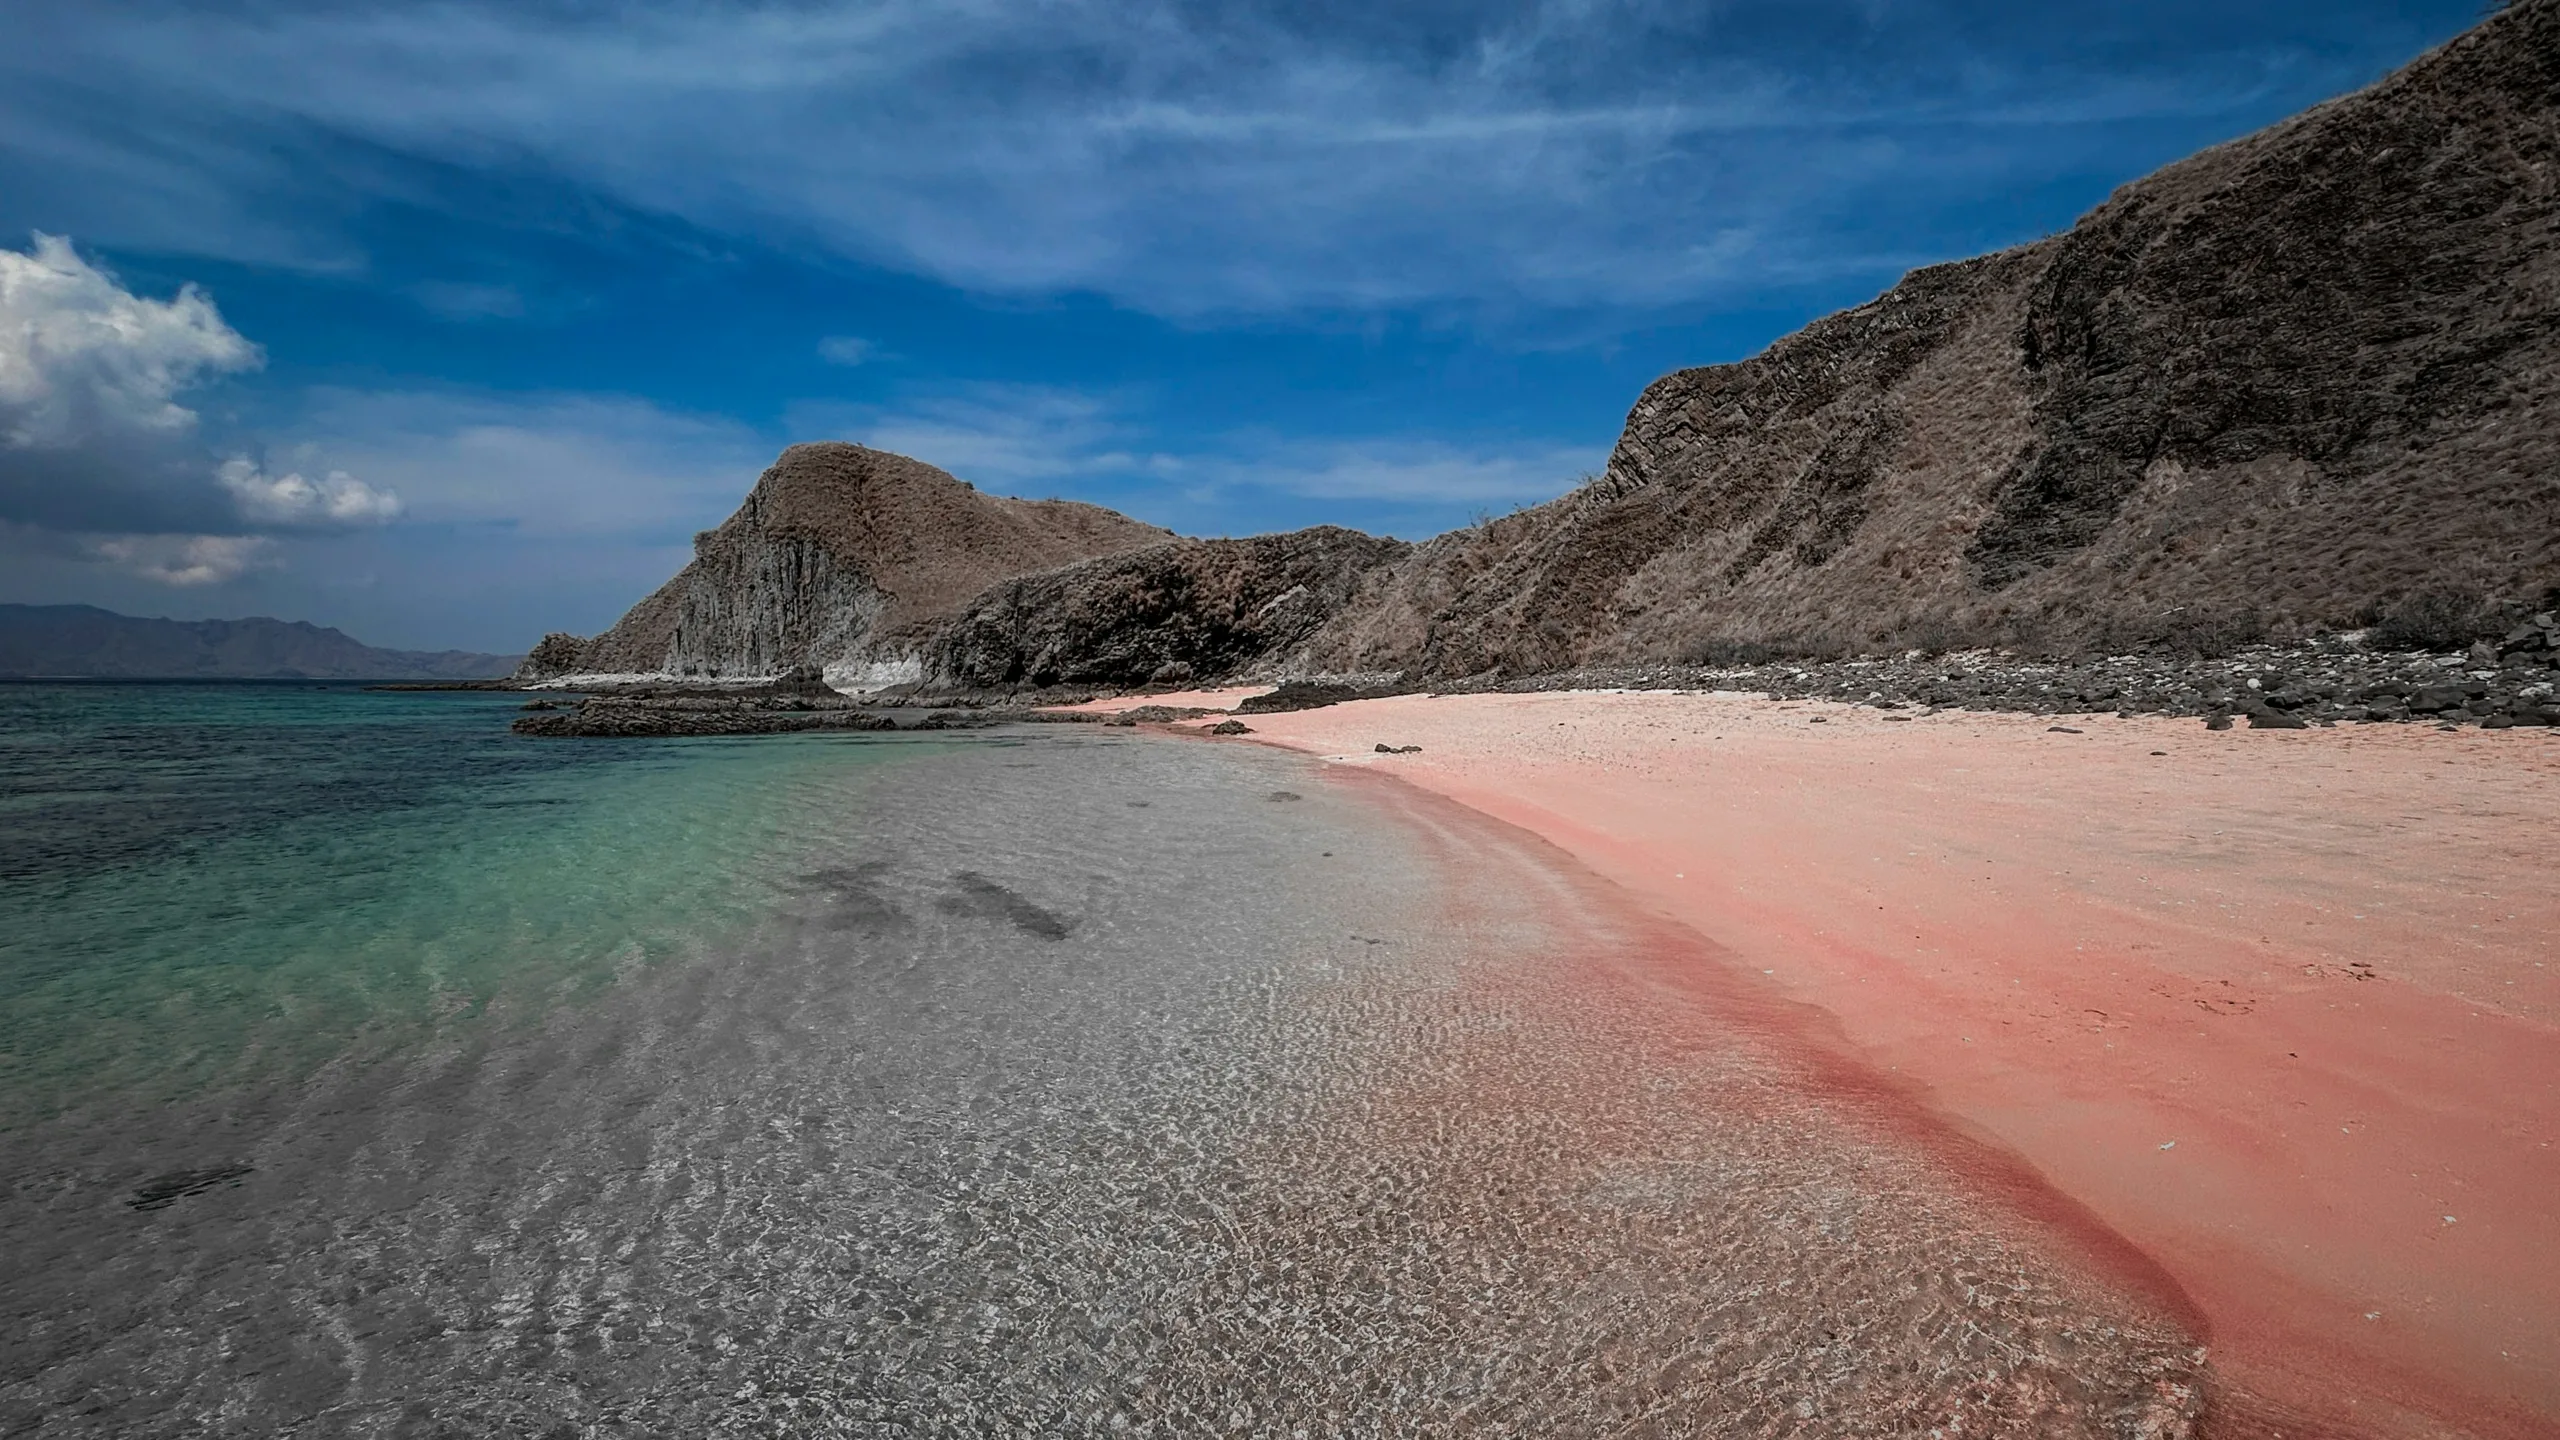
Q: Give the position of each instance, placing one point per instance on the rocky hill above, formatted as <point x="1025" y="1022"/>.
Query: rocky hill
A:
<point x="2292" y="385"/>
<point x="1190" y="609"/>
<point x="844" y="557"/>
<point x="2270" y="390"/>
<point x="83" y="641"/>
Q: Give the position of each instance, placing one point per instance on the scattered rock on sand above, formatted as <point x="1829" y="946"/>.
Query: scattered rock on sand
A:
<point x="1310" y="695"/>
<point x="1231" y="727"/>
<point x="2327" y="680"/>
<point x="1399" y="749"/>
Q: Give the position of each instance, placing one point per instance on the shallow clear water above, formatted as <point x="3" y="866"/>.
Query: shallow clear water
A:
<point x="202" y="884"/>
<point x="385" y="1075"/>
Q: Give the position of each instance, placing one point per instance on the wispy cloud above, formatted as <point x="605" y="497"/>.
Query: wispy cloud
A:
<point x="1006" y="437"/>
<point x="184" y="560"/>
<point x="1040" y="440"/>
<point x="468" y="300"/>
<point x="551" y="467"/>
<point x="1405" y="471"/>
<point x="1180" y="158"/>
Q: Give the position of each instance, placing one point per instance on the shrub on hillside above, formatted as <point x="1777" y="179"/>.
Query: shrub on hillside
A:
<point x="2436" y="620"/>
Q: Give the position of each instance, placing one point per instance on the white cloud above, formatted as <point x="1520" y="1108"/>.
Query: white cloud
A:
<point x="519" y="514"/>
<point x="96" y="447"/>
<point x="1402" y="471"/>
<point x="335" y="499"/>
<point x="82" y="359"/>
<point x="184" y="560"/>
<point x="844" y="349"/>
<point x="1006" y="437"/>
<point x="574" y="468"/>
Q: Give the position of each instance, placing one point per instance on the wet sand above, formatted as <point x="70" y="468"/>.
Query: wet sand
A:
<point x="1081" y="1084"/>
<point x="2282" y="1009"/>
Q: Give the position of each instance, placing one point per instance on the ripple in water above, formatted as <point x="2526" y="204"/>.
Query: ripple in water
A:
<point x="1005" y="1108"/>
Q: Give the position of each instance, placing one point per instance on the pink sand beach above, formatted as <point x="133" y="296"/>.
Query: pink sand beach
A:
<point x="2279" y="1008"/>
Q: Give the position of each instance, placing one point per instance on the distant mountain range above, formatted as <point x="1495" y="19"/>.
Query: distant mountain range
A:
<point x="87" y="642"/>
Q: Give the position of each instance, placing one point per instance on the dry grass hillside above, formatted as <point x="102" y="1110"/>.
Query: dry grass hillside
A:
<point x="842" y="551"/>
<point x="2269" y="390"/>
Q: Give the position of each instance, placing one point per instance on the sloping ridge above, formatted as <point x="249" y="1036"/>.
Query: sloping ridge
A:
<point x="843" y="554"/>
<point x="2264" y="391"/>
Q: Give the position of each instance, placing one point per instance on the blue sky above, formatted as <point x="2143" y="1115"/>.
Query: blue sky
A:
<point x="450" y="323"/>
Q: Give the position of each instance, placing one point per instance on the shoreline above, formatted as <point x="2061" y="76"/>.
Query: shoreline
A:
<point x="2303" y="1060"/>
<point x="964" y="1115"/>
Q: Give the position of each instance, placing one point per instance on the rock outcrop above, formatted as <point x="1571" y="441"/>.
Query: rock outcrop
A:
<point x="2267" y="391"/>
<point x="845" y="558"/>
<point x="558" y="653"/>
<point x="1172" y="613"/>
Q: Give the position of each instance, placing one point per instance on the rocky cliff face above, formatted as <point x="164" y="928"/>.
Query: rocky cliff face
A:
<point x="2290" y="385"/>
<point x="2271" y="389"/>
<point x="1188" y="610"/>
<point x="844" y="558"/>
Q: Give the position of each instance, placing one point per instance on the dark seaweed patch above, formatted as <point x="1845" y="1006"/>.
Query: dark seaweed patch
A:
<point x="984" y="899"/>
<point x="855" y="899"/>
<point x="161" y="1191"/>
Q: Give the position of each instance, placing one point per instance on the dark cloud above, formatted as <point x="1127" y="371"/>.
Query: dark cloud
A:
<point x="124" y="484"/>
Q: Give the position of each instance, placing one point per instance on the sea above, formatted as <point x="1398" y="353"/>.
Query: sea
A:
<point x="371" y="1070"/>
<point x="207" y="884"/>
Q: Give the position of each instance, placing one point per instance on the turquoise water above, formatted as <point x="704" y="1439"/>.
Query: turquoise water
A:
<point x="209" y="884"/>
<point x="1063" y="1082"/>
